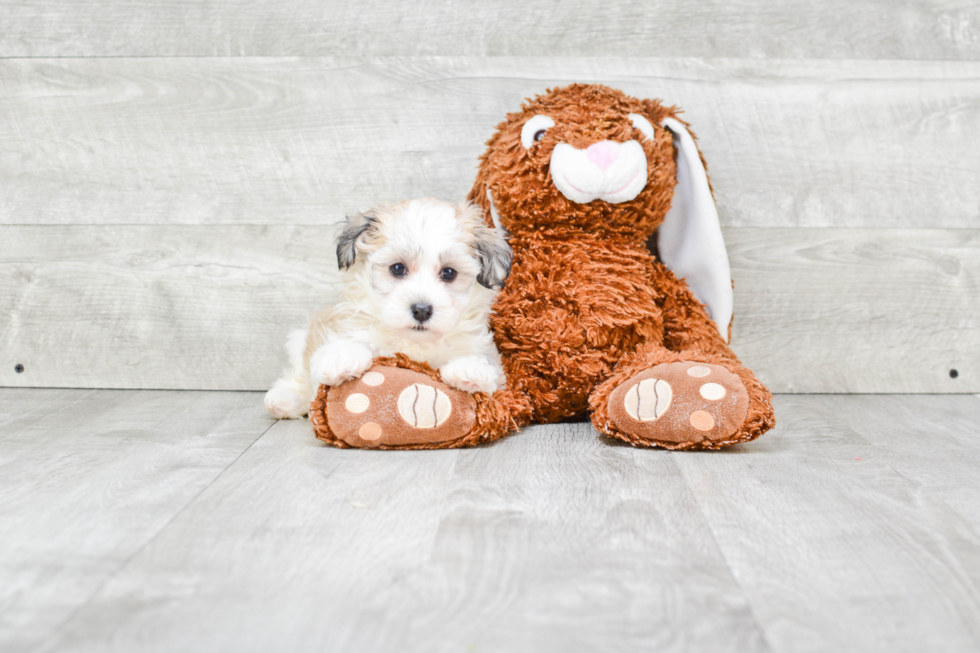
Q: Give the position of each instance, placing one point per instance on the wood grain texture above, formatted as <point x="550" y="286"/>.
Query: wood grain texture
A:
<point x="158" y="307"/>
<point x="913" y="29"/>
<point x="566" y="541"/>
<point x="852" y="526"/>
<point x="858" y="310"/>
<point x="847" y="527"/>
<point x="302" y="141"/>
<point x="553" y="540"/>
<point x="209" y="307"/>
<point x="932" y="443"/>
<point x="87" y="478"/>
<point x="291" y="549"/>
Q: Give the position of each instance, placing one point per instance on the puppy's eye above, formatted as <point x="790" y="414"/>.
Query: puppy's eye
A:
<point x="398" y="270"/>
<point x="534" y="130"/>
<point x="447" y="274"/>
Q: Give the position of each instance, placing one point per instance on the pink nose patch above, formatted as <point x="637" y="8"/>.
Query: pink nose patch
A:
<point x="603" y="154"/>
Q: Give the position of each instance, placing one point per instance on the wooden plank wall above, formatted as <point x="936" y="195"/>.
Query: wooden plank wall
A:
<point x="170" y="172"/>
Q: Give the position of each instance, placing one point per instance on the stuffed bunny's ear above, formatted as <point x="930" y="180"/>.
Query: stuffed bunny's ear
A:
<point x="689" y="240"/>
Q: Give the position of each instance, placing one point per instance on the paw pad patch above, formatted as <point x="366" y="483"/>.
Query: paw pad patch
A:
<point x="393" y="406"/>
<point x="712" y="391"/>
<point x="424" y="407"/>
<point x="680" y="403"/>
<point x="702" y="420"/>
<point x="648" y="399"/>
<point x="369" y="431"/>
<point x="357" y="403"/>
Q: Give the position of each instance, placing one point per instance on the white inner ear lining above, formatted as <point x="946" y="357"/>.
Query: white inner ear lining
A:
<point x="493" y="213"/>
<point x="640" y="122"/>
<point x="689" y="240"/>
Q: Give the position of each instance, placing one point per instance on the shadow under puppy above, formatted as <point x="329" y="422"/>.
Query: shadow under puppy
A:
<point x="419" y="279"/>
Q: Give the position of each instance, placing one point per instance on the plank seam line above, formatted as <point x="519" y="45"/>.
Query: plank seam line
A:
<point x="116" y="388"/>
<point x="60" y="627"/>
<point x="328" y="225"/>
<point x="396" y="57"/>
<point x="721" y="552"/>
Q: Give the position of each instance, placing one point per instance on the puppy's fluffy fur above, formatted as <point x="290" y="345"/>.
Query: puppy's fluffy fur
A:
<point x="419" y="279"/>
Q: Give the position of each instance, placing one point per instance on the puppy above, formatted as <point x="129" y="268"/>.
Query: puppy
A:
<point x="420" y="277"/>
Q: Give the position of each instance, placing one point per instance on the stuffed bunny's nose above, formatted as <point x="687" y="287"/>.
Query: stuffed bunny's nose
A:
<point x="603" y="154"/>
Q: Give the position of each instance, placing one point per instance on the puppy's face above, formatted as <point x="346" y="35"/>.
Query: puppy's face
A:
<point x="426" y="261"/>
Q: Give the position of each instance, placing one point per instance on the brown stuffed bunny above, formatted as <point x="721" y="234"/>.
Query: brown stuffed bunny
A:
<point x="590" y="323"/>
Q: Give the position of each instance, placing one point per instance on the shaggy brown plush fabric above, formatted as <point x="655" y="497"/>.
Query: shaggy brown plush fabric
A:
<point x="587" y="307"/>
<point x="590" y="323"/>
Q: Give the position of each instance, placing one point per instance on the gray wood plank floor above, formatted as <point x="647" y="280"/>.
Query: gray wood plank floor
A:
<point x="88" y="478"/>
<point x="161" y="521"/>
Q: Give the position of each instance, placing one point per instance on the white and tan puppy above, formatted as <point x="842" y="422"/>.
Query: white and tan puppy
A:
<point x="419" y="279"/>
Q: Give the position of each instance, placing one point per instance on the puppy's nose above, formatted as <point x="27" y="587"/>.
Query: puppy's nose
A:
<point x="421" y="312"/>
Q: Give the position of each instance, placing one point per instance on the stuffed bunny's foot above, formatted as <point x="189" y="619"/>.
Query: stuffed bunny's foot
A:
<point x="393" y="407"/>
<point x="681" y="405"/>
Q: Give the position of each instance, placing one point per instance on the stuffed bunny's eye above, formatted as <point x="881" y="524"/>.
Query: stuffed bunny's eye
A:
<point x="641" y="123"/>
<point x="534" y="130"/>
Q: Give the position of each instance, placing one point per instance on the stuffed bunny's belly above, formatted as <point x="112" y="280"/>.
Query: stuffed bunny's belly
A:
<point x="569" y="313"/>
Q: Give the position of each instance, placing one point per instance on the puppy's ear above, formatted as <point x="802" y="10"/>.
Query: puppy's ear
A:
<point x="489" y="245"/>
<point x="494" y="255"/>
<point x="355" y="227"/>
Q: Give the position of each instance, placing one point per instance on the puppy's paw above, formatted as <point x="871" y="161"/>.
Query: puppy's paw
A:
<point x="471" y="374"/>
<point x="336" y="362"/>
<point x="286" y="401"/>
